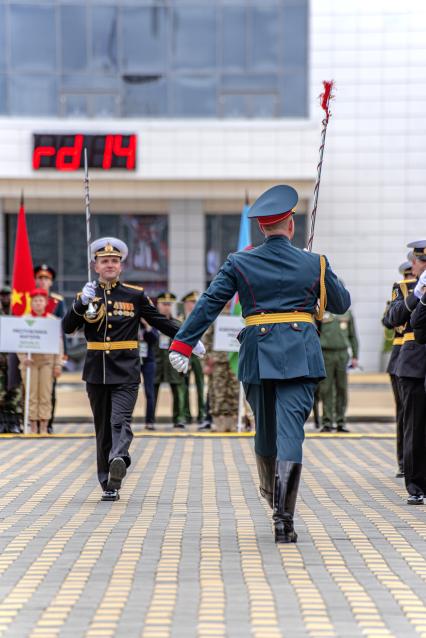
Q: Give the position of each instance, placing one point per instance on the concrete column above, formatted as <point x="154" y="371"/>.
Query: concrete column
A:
<point x="2" y="244"/>
<point x="186" y="246"/>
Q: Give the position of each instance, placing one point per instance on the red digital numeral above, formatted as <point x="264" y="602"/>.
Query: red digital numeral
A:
<point x="113" y="146"/>
<point x="42" y="151"/>
<point x="69" y="157"/>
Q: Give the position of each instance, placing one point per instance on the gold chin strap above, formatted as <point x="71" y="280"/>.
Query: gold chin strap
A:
<point x="323" y="292"/>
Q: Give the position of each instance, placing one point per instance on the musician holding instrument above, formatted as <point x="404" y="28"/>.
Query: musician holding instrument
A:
<point x="110" y="312"/>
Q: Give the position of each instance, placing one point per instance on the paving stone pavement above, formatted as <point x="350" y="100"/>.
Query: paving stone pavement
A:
<point x="188" y="550"/>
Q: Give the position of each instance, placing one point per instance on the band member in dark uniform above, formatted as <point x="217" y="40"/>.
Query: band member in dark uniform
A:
<point x="411" y="372"/>
<point x="110" y="312"/>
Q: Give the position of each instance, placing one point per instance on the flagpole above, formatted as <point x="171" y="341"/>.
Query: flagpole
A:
<point x="27" y="394"/>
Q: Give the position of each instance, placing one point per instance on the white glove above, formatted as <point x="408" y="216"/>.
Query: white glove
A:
<point x="179" y="362"/>
<point x="419" y="289"/>
<point x="199" y="349"/>
<point x="89" y="292"/>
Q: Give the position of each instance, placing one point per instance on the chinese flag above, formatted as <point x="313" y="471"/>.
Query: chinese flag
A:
<point x="23" y="275"/>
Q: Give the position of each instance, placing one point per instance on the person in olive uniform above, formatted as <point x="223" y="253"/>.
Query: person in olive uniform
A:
<point x="189" y="300"/>
<point x="337" y="336"/>
<point x="44" y="277"/>
<point x="112" y="366"/>
<point x="164" y="372"/>
<point x="148" y="339"/>
<point x="280" y="360"/>
<point x="405" y="271"/>
<point x="411" y="372"/>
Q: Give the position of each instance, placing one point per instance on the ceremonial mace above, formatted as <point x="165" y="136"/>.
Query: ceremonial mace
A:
<point x="325" y="105"/>
<point x="91" y="310"/>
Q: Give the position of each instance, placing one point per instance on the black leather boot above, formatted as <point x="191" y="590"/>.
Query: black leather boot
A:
<point x="287" y="479"/>
<point x="266" y="471"/>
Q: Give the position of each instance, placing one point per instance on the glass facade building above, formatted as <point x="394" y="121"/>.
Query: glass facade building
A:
<point x="156" y="59"/>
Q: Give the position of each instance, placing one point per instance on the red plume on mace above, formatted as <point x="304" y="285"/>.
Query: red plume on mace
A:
<point x="325" y="105"/>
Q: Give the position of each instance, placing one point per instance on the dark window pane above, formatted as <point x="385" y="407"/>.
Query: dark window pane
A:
<point x="145" y="97"/>
<point x="263" y="105"/>
<point x="32" y="38"/>
<point x="194" y="96"/>
<point x="234" y="33"/>
<point x="2" y="94"/>
<point x="147" y="239"/>
<point x="74" y="248"/>
<point x="233" y="105"/>
<point x="264" y="38"/>
<point x="294" y="102"/>
<point x="144" y="38"/>
<point x="104" y="105"/>
<point x="74" y="106"/>
<point x="73" y="38"/>
<point x="2" y="38"/>
<point x="249" y="82"/>
<point x="32" y="95"/>
<point x="295" y="34"/>
<point x="104" y="38"/>
<point x="88" y="83"/>
<point x="194" y="37"/>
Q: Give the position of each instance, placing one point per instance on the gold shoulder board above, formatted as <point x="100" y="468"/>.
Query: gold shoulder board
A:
<point x="132" y="286"/>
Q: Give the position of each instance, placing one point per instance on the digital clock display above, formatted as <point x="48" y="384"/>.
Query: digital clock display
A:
<point x="65" y="152"/>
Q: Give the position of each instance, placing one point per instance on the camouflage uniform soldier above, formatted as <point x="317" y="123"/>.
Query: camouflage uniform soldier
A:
<point x="224" y="387"/>
<point x="337" y="336"/>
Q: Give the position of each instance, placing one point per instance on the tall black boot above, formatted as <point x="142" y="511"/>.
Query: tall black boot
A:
<point x="266" y="471"/>
<point x="287" y="479"/>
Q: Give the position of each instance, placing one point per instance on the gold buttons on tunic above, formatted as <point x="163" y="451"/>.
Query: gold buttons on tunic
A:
<point x="295" y="325"/>
<point x="263" y="330"/>
<point x="110" y="314"/>
<point x="110" y="325"/>
<point x="108" y="339"/>
<point x="106" y="351"/>
<point x="109" y="301"/>
<point x="108" y="292"/>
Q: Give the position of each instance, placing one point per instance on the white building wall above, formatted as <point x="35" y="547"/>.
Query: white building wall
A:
<point x="374" y="179"/>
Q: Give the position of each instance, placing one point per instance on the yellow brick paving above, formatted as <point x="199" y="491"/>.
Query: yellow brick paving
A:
<point x="405" y="596"/>
<point x="17" y="546"/>
<point x="160" y="611"/>
<point x="49" y="624"/>
<point x="385" y="598"/>
<point x="211" y="612"/>
<point x="314" y="610"/>
<point x="263" y="614"/>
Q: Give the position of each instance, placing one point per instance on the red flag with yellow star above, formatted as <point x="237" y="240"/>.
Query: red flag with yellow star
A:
<point x="23" y="275"/>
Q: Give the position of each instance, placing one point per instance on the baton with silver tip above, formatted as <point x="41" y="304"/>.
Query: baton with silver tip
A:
<point x="91" y="310"/>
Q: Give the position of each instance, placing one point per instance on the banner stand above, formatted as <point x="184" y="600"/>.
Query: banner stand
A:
<point x="27" y="395"/>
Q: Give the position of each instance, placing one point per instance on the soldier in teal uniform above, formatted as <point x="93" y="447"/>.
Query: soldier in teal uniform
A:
<point x="164" y="373"/>
<point x="337" y="337"/>
<point x="280" y="359"/>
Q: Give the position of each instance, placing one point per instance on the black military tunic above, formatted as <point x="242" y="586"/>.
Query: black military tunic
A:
<point x="418" y="321"/>
<point x="411" y="371"/>
<point x="112" y="365"/>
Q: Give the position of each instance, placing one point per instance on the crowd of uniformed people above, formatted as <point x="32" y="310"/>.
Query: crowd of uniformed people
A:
<point x="281" y="366"/>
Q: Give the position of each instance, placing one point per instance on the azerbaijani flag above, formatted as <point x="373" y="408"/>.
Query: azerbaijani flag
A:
<point x="244" y="243"/>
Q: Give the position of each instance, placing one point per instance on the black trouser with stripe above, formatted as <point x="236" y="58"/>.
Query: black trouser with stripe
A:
<point x="414" y="399"/>
<point x="112" y="406"/>
<point x="399" y="420"/>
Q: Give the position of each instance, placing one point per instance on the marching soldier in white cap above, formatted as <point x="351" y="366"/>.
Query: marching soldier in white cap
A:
<point x="112" y="366"/>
